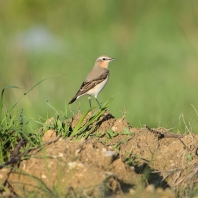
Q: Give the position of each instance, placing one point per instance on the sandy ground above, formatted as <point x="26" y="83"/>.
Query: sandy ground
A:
<point x="116" y="160"/>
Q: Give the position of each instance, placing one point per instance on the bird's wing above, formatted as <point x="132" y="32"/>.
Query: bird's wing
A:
<point x="87" y="85"/>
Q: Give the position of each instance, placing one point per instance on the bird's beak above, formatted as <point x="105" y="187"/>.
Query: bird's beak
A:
<point x="112" y="59"/>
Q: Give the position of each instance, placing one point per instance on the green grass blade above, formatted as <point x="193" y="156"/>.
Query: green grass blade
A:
<point x="52" y="107"/>
<point x="2" y="94"/>
<point x="77" y="127"/>
<point x="94" y="118"/>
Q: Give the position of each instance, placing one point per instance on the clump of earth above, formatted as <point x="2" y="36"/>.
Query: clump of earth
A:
<point x="115" y="160"/>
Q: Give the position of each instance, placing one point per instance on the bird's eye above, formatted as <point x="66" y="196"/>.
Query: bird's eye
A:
<point x="103" y="58"/>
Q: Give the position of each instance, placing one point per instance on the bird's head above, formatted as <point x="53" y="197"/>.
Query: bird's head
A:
<point x="103" y="61"/>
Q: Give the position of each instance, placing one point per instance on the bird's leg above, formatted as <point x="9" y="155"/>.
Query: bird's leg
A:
<point x="89" y="98"/>
<point x="98" y="103"/>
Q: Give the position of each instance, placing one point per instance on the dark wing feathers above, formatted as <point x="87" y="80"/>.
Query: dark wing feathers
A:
<point x="87" y="85"/>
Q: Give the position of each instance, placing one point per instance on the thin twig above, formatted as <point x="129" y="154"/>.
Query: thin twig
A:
<point x="172" y="170"/>
<point x="164" y="135"/>
<point x="16" y="155"/>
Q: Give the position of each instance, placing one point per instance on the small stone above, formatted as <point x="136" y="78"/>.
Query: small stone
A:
<point x="43" y="176"/>
<point x="60" y="155"/>
<point x="159" y="190"/>
<point x="110" y="153"/>
<point x="77" y="152"/>
<point x="109" y="173"/>
<point x="50" y="164"/>
<point x="150" y="188"/>
<point x="23" y="165"/>
<point x="72" y="165"/>
<point x="114" y="128"/>
<point x="131" y="191"/>
<point x="54" y="156"/>
<point x="81" y="165"/>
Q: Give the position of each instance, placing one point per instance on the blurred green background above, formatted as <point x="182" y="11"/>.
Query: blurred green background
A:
<point x="155" y="43"/>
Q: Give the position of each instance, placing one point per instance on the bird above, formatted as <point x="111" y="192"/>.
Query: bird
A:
<point x="95" y="80"/>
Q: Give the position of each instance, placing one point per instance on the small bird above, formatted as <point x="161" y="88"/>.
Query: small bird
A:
<point x="95" y="80"/>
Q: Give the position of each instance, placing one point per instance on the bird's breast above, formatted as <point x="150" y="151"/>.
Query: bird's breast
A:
<point x="98" y="88"/>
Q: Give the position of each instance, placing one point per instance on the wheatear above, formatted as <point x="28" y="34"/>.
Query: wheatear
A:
<point x="95" y="80"/>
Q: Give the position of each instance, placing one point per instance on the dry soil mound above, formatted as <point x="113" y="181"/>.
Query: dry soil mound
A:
<point x="115" y="159"/>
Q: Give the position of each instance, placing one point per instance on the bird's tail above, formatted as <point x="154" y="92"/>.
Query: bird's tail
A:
<point x="72" y="100"/>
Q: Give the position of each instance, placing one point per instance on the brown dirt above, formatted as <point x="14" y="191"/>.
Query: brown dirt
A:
<point x="140" y="162"/>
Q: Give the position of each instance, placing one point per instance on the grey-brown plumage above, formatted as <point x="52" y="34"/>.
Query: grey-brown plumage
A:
<point x="95" y="80"/>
